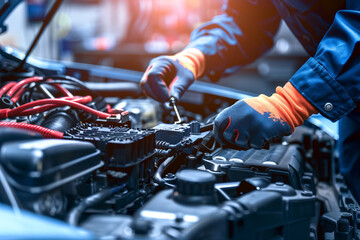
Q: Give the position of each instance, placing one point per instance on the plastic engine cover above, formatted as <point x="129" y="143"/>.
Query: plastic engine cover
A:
<point x="281" y="163"/>
<point x="43" y="165"/>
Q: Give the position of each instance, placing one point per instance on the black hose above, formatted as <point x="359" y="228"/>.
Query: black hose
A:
<point x="162" y="153"/>
<point x="110" y="89"/>
<point x="63" y="80"/>
<point x="159" y="172"/>
<point x="91" y="201"/>
<point x="71" y="81"/>
<point x="200" y="229"/>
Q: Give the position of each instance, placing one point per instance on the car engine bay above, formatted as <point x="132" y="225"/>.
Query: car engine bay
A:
<point x="125" y="170"/>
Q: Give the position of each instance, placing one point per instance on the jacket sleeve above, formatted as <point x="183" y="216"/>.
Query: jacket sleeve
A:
<point x="331" y="79"/>
<point x="240" y="35"/>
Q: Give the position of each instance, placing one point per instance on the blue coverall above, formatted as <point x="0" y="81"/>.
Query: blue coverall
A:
<point x="330" y="79"/>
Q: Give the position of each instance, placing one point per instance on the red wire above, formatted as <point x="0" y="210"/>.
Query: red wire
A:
<point x="45" y="132"/>
<point x="58" y="102"/>
<point x="78" y="99"/>
<point x="63" y="90"/>
<point x="48" y="107"/>
<point x="36" y="110"/>
<point x="18" y="94"/>
<point x="15" y="90"/>
<point x="20" y="84"/>
<point x="5" y="88"/>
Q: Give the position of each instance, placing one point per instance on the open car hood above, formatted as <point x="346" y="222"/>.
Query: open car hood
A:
<point x="6" y="7"/>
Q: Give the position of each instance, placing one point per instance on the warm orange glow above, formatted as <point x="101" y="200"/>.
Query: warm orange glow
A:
<point x="167" y="24"/>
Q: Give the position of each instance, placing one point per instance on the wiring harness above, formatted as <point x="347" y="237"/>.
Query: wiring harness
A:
<point x="17" y="101"/>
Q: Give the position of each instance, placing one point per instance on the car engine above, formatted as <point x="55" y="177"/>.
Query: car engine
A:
<point x="120" y="171"/>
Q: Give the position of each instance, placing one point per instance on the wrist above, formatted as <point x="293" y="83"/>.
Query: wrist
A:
<point x="297" y="108"/>
<point x="192" y="59"/>
<point x="286" y="105"/>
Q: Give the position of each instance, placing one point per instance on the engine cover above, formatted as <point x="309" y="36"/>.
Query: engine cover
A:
<point x="281" y="163"/>
<point x="43" y="165"/>
<point x="43" y="172"/>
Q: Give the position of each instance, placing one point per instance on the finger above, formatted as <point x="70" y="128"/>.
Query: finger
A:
<point x="158" y="87"/>
<point x="220" y="125"/>
<point x="153" y="84"/>
<point x="144" y="84"/>
<point x="180" y="84"/>
<point x="149" y="92"/>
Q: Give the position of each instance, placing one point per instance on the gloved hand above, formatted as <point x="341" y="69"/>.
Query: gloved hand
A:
<point x="253" y="122"/>
<point x="169" y="76"/>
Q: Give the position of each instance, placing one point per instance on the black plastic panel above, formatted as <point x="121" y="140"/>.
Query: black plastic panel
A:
<point x="280" y="163"/>
<point x="42" y="165"/>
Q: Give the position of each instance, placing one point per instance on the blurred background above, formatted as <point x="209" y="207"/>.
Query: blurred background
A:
<point x="129" y="33"/>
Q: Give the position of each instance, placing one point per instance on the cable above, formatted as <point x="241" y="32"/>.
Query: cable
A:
<point x="5" y="88"/>
<point x="48" y="107"/>
<point x="5" y="113"/>
<point x="46" y="22"/>
<point x="57" y="85"/>
<point x="22" y="83"/>
<point x="18" y="95"/>
<point x="69" y="79"/>
<point x="159" y="172"/>
<point x="63" y="90"/>
<point x="12" y="88"/>
<point x="46" y="92"/>
<point x="45" y="132"/>
<point x="75" y="214"/>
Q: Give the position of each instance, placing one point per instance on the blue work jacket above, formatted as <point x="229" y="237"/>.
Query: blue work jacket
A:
<point x="329" y="30"/>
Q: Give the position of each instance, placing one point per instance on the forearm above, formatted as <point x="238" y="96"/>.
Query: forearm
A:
<point x="239" y="36"/>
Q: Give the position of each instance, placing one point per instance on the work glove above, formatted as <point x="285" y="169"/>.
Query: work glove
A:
<point x="171" y="76"/>
<point x="253" y="122"/>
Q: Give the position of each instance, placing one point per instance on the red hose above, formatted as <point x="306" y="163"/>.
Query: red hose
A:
<point x="63" y="90"/>
<point x="20" y="84"/>
<point x="83" y="100"/>
<point x="4" y="113"/>
<point x="20" y="92"/>
<point x="5" y="88"/>
<point x="17" y="95"/>
<point x="48" y="107"/>
<point x="45" y="132"/>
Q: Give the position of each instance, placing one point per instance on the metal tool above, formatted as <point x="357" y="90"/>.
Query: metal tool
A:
<point x="173" y="104"/>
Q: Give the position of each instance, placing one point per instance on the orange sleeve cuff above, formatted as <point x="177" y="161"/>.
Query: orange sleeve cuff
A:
<point x="192" y="59"/>
<point x="292" y="106"/>
<point x="287" y="104"/>
<point x="301" y="108"/>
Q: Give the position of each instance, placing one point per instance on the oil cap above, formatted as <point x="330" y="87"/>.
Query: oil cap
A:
<point x="195" y="183"/>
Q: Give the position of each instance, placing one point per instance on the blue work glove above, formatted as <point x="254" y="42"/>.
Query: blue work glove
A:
<point x="169" y="76"/>
<point x="253" y="122"/>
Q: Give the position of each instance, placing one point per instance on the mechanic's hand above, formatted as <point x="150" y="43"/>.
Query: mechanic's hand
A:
<point x="253" y="122"/>
<point x="172" y="75"/>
